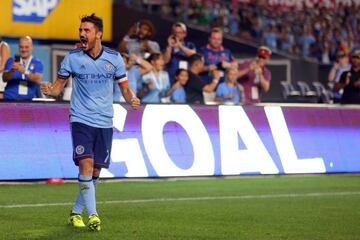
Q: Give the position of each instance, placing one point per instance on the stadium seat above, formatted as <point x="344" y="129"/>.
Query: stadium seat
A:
<point x="289" y="93"/>
<point x="305" y="91"/>
<point x="325" y="95"/>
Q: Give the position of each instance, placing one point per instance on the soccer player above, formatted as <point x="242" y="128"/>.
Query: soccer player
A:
<point x="93" y="68"/>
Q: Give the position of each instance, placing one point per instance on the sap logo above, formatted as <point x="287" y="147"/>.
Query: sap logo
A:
<point x="34" y="11"/>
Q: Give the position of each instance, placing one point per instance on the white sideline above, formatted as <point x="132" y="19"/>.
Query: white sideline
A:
<point x="151" y="200"/>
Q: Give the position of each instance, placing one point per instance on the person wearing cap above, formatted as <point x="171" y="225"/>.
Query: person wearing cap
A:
<point x="178" y="50"/>
<point x="254" y="76"/>
<point x="341" y="65"/>
<point x="350" y="81"/>
<point x="216" y="56"/>
<point x="138" y="40"/>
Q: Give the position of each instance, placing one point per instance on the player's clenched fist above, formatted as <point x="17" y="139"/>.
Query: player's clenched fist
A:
<point x="135" y="103"/>
<point x="46" y="89"/>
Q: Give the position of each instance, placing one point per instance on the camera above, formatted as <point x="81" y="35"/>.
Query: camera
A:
<point x="220" y="67"/>
<point x="17" y="58"/>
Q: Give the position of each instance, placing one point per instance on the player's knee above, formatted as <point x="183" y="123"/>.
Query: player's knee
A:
<point x="86" y="167"/>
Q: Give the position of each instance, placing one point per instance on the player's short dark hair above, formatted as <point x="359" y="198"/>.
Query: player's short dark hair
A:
<point x="195" y="58"/>
<point x="97" y="21"/>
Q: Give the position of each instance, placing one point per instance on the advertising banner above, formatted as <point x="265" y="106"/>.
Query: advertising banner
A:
<point x="183" y="140"/>
<point x="51" y="19"/>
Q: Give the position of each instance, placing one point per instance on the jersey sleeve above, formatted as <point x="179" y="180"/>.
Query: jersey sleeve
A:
<point x="8" y="64"/>
<point x="65" y="68"/>
<point x="120" y="71"/>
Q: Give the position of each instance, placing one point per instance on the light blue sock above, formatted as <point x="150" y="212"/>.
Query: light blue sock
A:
<point x="79" y="202"/>
<point x="87" y="191"/>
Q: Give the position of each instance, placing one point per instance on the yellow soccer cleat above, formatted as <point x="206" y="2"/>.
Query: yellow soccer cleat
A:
<point x="94" y="223"/>
<point x="76" y="221"/>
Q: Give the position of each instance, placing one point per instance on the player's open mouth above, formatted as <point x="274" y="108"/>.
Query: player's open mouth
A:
<point x="83" y="42"/>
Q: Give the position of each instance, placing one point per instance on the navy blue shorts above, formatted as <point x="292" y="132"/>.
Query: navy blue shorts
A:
<point x="91" y="142"/>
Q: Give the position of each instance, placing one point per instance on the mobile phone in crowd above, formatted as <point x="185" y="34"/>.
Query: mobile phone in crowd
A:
<point x="17" y="58"/>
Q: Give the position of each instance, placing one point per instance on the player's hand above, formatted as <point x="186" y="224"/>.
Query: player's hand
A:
<point x="135" y="103"/>
<point x="46" y="89"/>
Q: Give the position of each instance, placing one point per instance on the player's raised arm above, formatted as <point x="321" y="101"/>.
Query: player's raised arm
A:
<point x="54" y="89"/>
<point x="128" y="94"/>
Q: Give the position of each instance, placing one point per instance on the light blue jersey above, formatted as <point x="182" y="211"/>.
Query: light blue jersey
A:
<point x="178" y="96"/>
<point x="92" y="85"/>
<point x="223" y="90"/>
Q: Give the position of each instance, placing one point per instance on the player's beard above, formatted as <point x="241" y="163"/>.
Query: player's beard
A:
<point x="87" y="45"/>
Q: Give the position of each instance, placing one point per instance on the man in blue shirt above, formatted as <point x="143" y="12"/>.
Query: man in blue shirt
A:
<point x="216" y="56"/>
<point x="23" y="74"/>
<point x="93" y="68"/>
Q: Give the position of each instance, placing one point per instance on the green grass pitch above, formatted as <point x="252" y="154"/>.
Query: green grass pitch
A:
<point x="270" y="207"/>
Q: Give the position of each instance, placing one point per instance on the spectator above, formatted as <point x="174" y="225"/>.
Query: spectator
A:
<point x="286" y="40"/>
<point x="350" y="81"/>
<point x="4" y="55"/>
<point x="254" y="76"/>
<point x="341" y="65"/>
<point x="138" y="41"/>
<point x="195" y="87"/>
<point x="178" y="50"/>
<point x="216" y="57"/>
<point x="136" y="67"/>
<point x="233" y="22"/>
<point x="254" y="17"/>
<point x="22" y="75"/>
<point x="230" y="91"/>
<point x="305" y="42"/>
<point x="156" y="82"/>
<point x="271" y="36"/>
<point x="177" y="92"/>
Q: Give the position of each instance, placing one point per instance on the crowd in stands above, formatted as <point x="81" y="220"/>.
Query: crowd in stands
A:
<point x="181" y="72"/>
<point x="317" y="31"/>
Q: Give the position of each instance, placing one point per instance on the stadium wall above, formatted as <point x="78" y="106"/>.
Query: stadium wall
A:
<point x="183" y="140"/>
